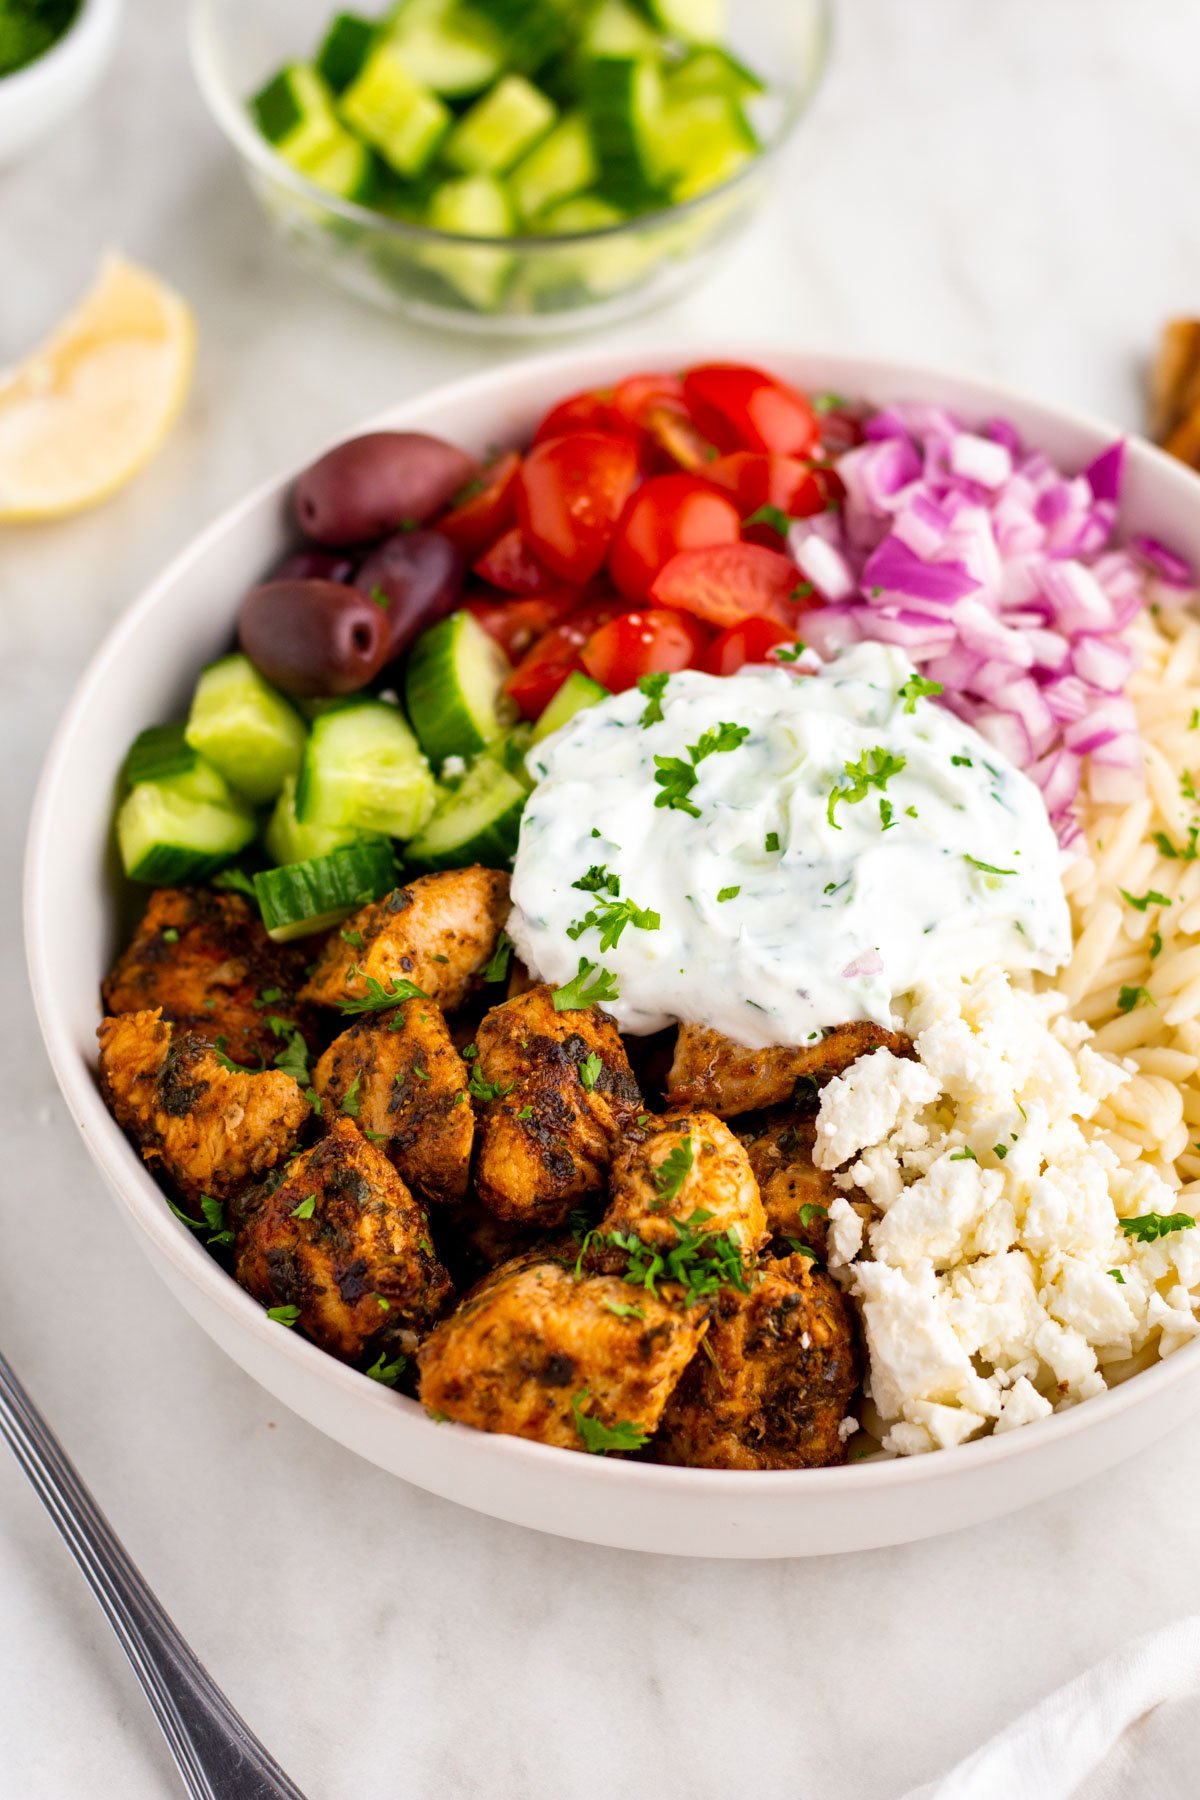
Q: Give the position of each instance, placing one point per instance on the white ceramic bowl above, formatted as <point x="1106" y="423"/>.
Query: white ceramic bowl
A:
<point x="35" y="100"/>
<point x="144" y="672"/>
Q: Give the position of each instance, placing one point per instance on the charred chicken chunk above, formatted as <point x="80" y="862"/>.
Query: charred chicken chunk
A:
<point x="439" y="933"/>
<point x="795" y="1193"/>
<point x="532" y="1349"/>
<point x="778" y="1375"/>
<point x="204" y="958"/>
<point x="555" y="1093"/>
<point x="210" y="1129"/>
<point x="710" y="1070"/>
<point x="398" y="1074"/>
<point x="343" y="1241"/>
<point x="687" y="1166"/>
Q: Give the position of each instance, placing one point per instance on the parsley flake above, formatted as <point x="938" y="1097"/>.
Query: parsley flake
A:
<point x="305" y="1208"/>
<point x="771" y="842"/>
<point x="599" y="881"/>
<point x="917" y="688"/>
<point x="790" y="653"/>
<point x="874" y="769"/>
<point x="610" y="917"/>
<point x="1129" y="997"/>
<point x="591" y="986"/>
<point x="1149" y="1226"/>
<point x="773" y="517"/>
<point x="729" y="893"/>
<point x="653" y="688"/>
<point x="599" y="1438"/>
<point x="987" y="868"/>
<point x="284" y="1315"/>
<point x="350" y="1099"/>
<point x="378" y="998"/>
<point x="497" y="969"/>
<point x="387" y="1372"/>
<point x="590" y="1071"/>
<point x="170" y="935"/>
<point x="674" y="1169"/>
<point x="1141" y="901"/>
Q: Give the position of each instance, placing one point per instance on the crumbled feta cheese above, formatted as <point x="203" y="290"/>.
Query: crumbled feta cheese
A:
<point x="845" y="1233"/>
<point x="1022" y="1405"/>
<point x="847" y="1428"/>
<point x="867" y="1102"/>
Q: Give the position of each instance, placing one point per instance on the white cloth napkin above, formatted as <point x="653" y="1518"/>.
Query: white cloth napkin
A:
<point x="1128" y="1729"/>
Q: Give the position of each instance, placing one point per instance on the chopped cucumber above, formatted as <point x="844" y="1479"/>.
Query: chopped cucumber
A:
<point x="452" y="687"/>
<point x="286" y="840"/>
<point x="601" y="268"/>
<point x="562" y="165"/>
<point x="245" y="728"/>
<point x="345" y="49"/>
<point x="156" y="753"/>
<point x="476" y="206"/>
<point x="500" y="128"/>
<point x="345" y="167"/>
<point x="713" y="71"/>
<point x="362" y="769"/>
<point x="295" y="112"/>
<point x="614" y="29"/>
<point x="182" y="827"/>
<point x="695" y="21"/>
<point x="623" y="98"/>
<point x="455" y="54"/>
<point x="387" y="106"/>
<point x="479" y="822"/>
<point x="306" y="897"/>
<point x="532" y="30"/>
<point x="576" y="694"/>
<point x="704" y="142"/>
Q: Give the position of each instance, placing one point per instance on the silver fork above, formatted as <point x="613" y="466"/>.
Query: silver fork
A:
<point x="219" y="1756"/>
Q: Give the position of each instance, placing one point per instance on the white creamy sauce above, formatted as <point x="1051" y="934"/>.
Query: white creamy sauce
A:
<point x="839" y="908"/>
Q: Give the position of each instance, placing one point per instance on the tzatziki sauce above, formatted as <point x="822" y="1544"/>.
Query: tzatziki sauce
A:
<point x="782" y="850"/>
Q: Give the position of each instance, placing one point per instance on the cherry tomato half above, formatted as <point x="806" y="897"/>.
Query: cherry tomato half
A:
<point x="741" y="408"/>
<point x="730" y="583"/>
<point x="668" y="513"/>
<point x="485" y="509"/>
<point x="511" y="566"/>
<point x="641" y="643"/>
<point x="637" y="396"/>
<point x="517" y="624"/>
<point x="542" y="670"/>
<point x="745" y="643"/>
<point x="570" y="494"/>
<point x="754" y="480"/>
<point x="591" y="410"/>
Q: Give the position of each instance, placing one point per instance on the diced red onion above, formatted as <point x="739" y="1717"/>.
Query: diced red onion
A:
<point x="1103" y="474"/>
<point x="1106" y="663"/>
<point x="1058" y="775"/>
<point x="822" y="564"/>
<point x="1163" y="562"/>
<point x="897" y="570"/>
<point x="980" y="460"/>
<point x="869" y="963"/>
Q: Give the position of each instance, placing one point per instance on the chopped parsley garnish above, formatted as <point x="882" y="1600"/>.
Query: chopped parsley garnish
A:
<point x="701" y="1263"/>
<point x="350" y="1099"/>
<point x="383" y="1304"/>
<point x="961" y="762"/>
<point x="772" y="516"/>
<point x="236" y="1068"/>
<point x="729" y="893"/>
<point x="824" y="403"/>
<point x="677" y="778"/>
<point x="1187" y="786"/>
<point x="353" y="938"/>
<point x="1188" y="853"/>
<point x="886" y="815"/>
<point x="599" y="881"/>
<point x="1141" y="901"/>
<point x="653" y="687"/>
<point x="284" y="1315"/>
<point x="269" y="996"/>
<point x="1152" y="1225"/>
<point x="235" y="881"/>
<point x="314" y="1100"/>
<point x="790" y="653"/>
<point x="293" y="1058"/>
<point x="377" y="996"/>
<point x="966" y="1154"/>
<point x="497" y="969"/>
<point x="592" y="986"/>
<point x="1194" y="721"/>
<point x="420" y="1073"/>
<point x="624" y="1311"/>
<point x="305" y="1208"/>
<point x="1155" y="945"/>
<point x="487" y="1090"/>
<point x="674" y="1169"/>
<point x="170" y="935"/>
<point x="987" y="868"/>
<point x="874" y="769"/>
<point x="590" y="1070"/>
<point x="1129" y="997"/>
<point x="599" y="1438"/>
<point x="526" y="1112"/>
<point x="811" y="1210"/>
<point x="1117" y="1277"/>
<point x="771" y="841"/>
<point x="917" y="688"/>
<point x="379" y="597"/>
<point x="610" y="917"/>
<point x="387" y="1372"/>
<point x="213" y="1220"/>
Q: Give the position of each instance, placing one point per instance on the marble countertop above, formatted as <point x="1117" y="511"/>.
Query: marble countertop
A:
<point x="1000" y="189"/>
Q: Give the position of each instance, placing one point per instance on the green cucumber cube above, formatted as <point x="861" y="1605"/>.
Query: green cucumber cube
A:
<point x="562" y="165"/>
<point x="500" y="128"/>
<point x="387" y="106"/>
<point x="245" y="728"/>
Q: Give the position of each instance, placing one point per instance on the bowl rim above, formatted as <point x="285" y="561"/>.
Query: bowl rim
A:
<point x="84" y="37"/>
<point x="140" y="1197"/>
<point x="229" y="112"/>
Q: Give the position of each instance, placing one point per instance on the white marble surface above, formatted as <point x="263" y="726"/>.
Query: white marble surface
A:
<point x="1003" y="188"/>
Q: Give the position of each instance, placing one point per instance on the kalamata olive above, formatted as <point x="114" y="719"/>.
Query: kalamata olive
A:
<point x="313" y="637"/>
<point x="314" y="565"/>
<point x="374" y="484"/>
<point x="422" y="575"/>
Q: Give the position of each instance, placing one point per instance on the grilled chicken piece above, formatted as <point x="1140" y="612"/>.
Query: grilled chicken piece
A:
<point x="1175" y="390"/>
<point x="562" y="1096"/>
<point x="211" y="1130"/>
<point x="342" y="1239"/>
<point x="531" y="1339"/>
<point x="676" y="1166"/>
<point x="407" y="1085"/>
<point x="710" y="1070"/>
<point x="439" y="933"/>
<point x="780" y="1369"/>
<point x="204" y="958"/>
<point x="795" y="1193"/>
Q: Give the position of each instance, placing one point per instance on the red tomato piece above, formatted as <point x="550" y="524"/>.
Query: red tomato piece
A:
<point x="641" y="643"/>
<point x="675" y="442"/>
<point x="668" y="513"/>
<point x="517" y="624"/>
<point x="797" y="488"/>
<point x="635" y="397"/>
<point x="542" y="670"/>
<point x="511" y="566"/>
<point x="745" y="643"/>
<point x="730" y="583"/>
<point x="571" y="492"/>
<point x="591" y="410"/>
<point x="741" y="408"/>
<point x="485" y="509"/>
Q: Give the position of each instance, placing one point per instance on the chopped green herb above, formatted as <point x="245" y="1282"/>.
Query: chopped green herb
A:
<point x="314" y="1100"/>
<point x="729" y="893"/>
<point x="1129" y="997"/>
<point x="497" y="969"/>
<point x="610" y="917"/>
<point x="591" y="986"/>
<point x="917" y="688"/>
<point x="674" y="1169"/>
<point x="235" y="881"/>
<point x="1152" y="1225"/>
<point x="874" y="769"/>
<point x="790" y="653"/>
<point x="526" y="1112"/>
<point x="305" y="1208"/>
<point x="886" y="815"/>
<point x="1188" y="854"/>
<point x="624" y="1310"/>
<point x="353" y="938"/>
<point x="824" y="403"/>
<point x="1000" y="1150"/>
<point x="350" y="1099"/>
<point x="701" y="1263"/>
<point x="1155" y="945"/>
<point x="170" y="935"/>
<point x="378" y="997"/>
<point x="284" y="1315"/>
<point x="1194" y="721"/>
<point x="1187" y="786"/>
<point x="590" y="1071"/>
<point x="961" y="762"/>
<point x="487" y="1090"/>
<point x="771" y="841"/>
<point x="387" y="1372"/>
<point x="293" y="1058"/>
<point x="383" y="1304"/>
<point x="219" y="1048"/>
<point x="1141" y="902"/>
<point x="773" y="517"/>
<point x="966" y="1154"/>
<point x="379" y="597"/>
<point x="653" y="687"/>
<point x="987" y="868"/>
<point x="599" y="1438"/>
<point x="599" y="881"/>
<point x="677" y="778"/>
<point x="1117" y="1277"/>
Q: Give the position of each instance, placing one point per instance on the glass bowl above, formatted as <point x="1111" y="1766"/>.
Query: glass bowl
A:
<point x="525" y="285"/>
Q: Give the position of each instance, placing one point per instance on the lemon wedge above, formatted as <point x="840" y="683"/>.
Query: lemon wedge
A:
<point x="92" y="404"/>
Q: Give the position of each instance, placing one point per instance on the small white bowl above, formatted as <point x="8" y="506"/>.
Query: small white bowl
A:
<point x="35" y="100"/>
<point x="74" y="920"/>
